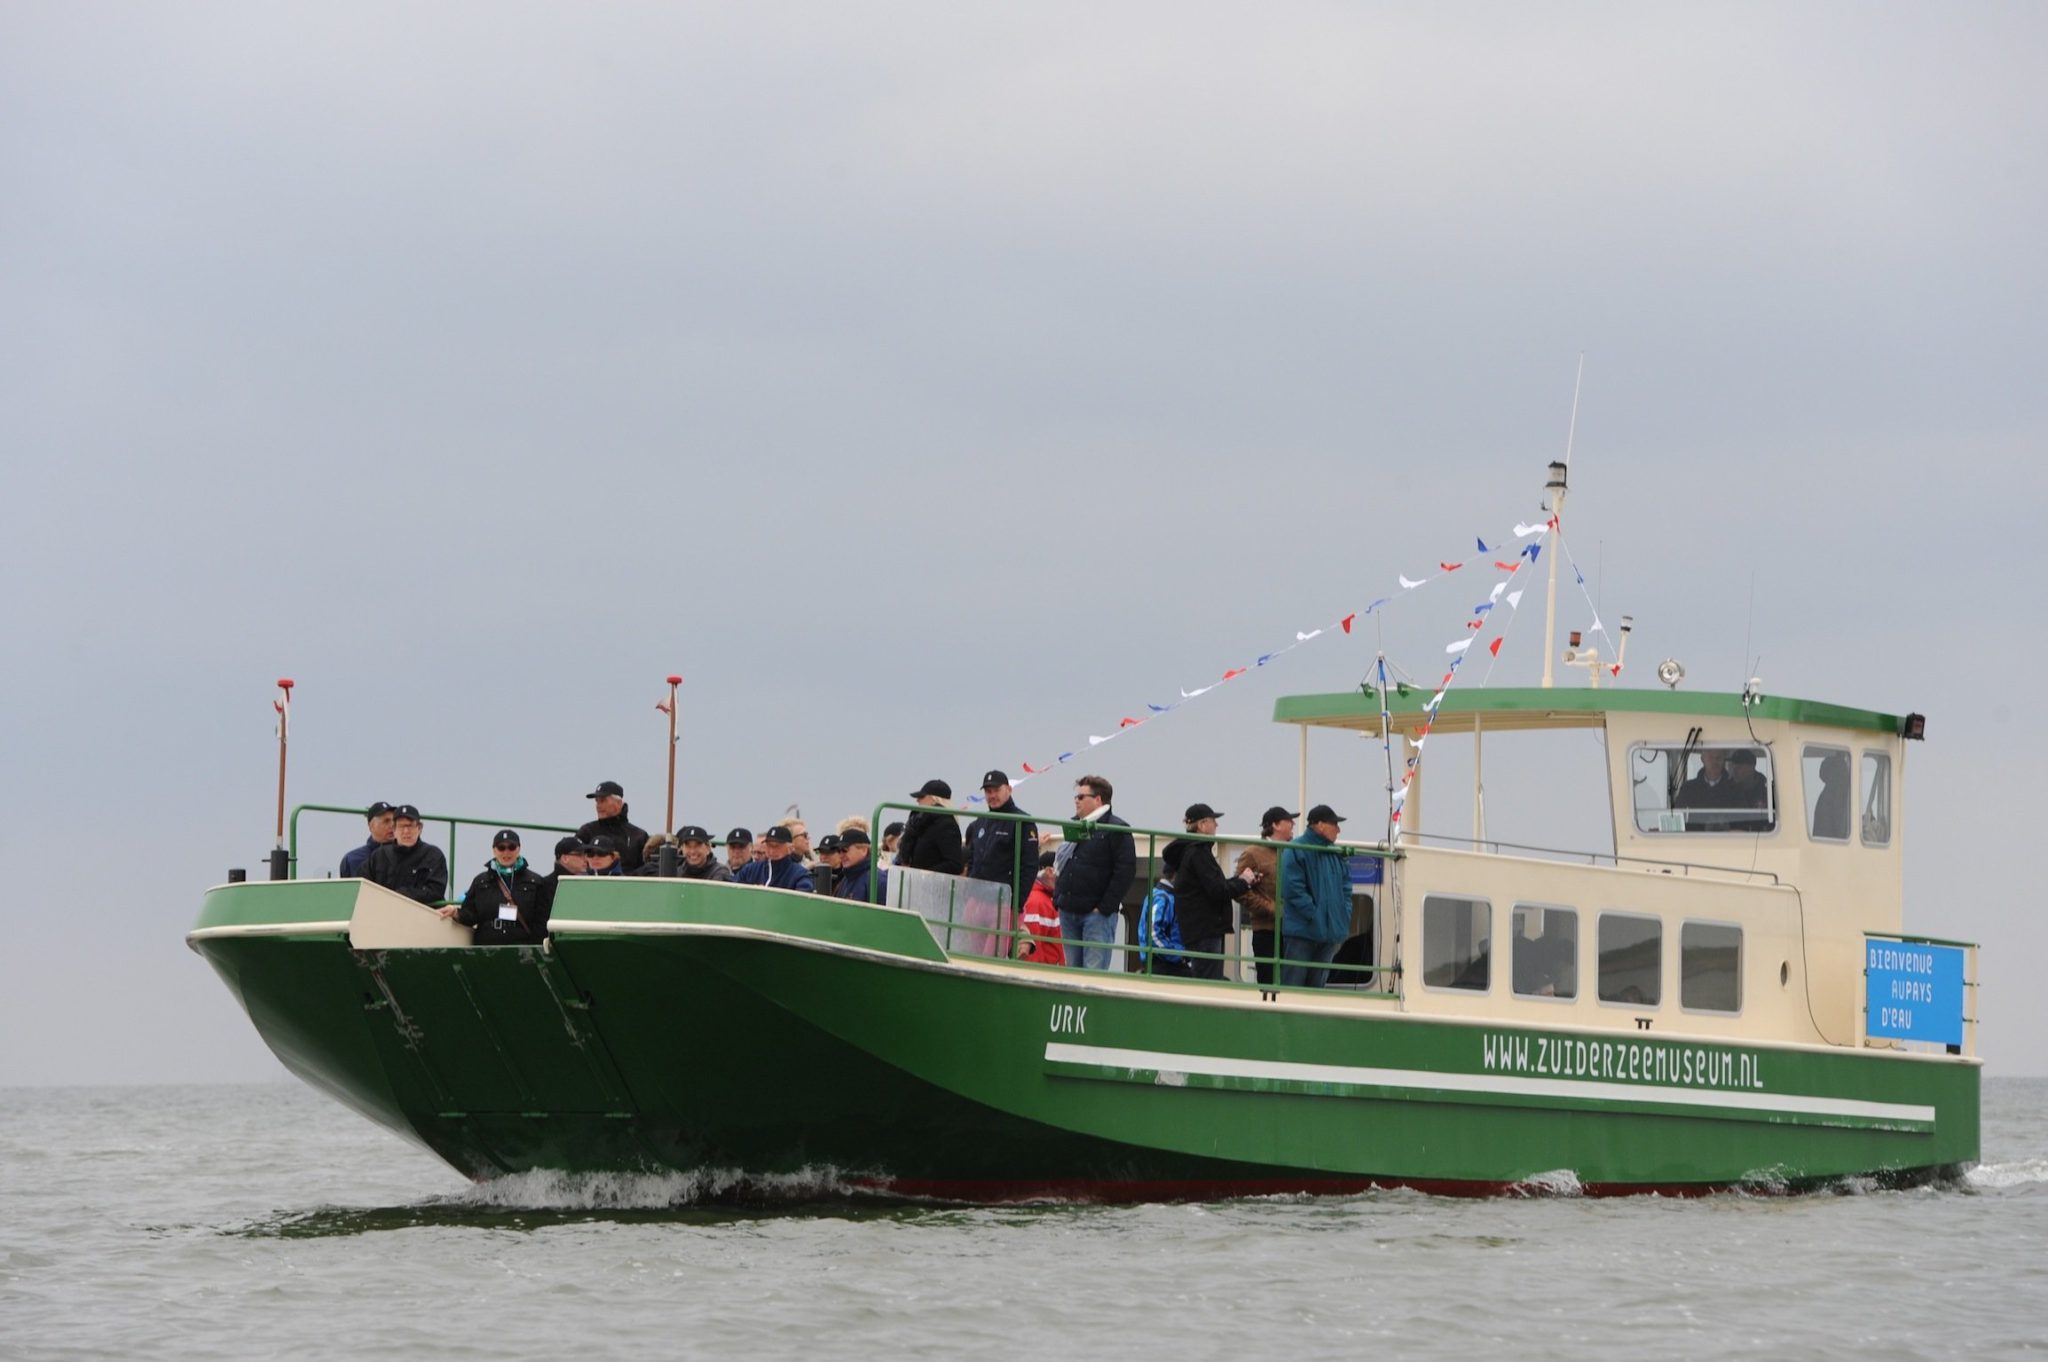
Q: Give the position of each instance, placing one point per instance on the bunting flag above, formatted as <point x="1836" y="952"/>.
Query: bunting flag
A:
<point x="661" y="705"/>
<point x="1475" y="627"/>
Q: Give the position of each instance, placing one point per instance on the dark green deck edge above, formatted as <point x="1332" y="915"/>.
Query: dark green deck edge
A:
<point x="1337" y="707"/>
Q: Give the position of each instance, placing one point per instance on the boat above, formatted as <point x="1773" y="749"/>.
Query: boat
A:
<point x="1724" y="997"/>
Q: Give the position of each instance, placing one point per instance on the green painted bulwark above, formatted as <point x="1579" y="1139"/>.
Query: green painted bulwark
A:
<point x="1351" y="709"/>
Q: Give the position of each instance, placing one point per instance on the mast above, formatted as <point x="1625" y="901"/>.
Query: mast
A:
<point x="1554" y="493"/>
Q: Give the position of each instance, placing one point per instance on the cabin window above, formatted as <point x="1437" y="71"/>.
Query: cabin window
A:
<point x="1826" y="773"/>
<point x="1877" y="799"/>
<point x="1546" y="962"/>
<point x="1457" y="943"/>
<point x="1703" y="787"/>
<point x="1631" y="959"/>
<point x="1710" y="967"/>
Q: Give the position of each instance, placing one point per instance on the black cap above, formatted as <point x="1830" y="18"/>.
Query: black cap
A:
<point x="854" y="837"/>
<point x="690" y="832"/>
<point x="1276" y="814"/>
<point x="778" y="834"/>
<point x="406" y="811"/>
<point x="1323" y="813"/>
<point x="568" y="846"/>
<point x="993" y="779"/>
<point x="600" y="846"/>
<point x="829" y="842"/>
<point x="739" y="837"/>
<point x="933" y="787"/>
<point x="1197" y="812"/>
<point x="378" y="810"/>
<point x="505" y="838"/>
<point x="893" y="830"/>
<point x="607" y="787"/>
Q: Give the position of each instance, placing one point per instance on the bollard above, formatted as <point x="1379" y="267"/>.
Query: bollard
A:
<point x="280" y="864"/>
<point x="237" y="875"/>
<point x="665" y="861"/>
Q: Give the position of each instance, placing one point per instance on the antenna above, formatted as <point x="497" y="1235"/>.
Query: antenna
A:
<point x="1572" y="431"/>
<point x="1749" y="627"/>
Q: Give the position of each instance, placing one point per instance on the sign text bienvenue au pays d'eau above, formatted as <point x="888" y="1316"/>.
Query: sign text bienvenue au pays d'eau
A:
<point x="1913" y="991"/>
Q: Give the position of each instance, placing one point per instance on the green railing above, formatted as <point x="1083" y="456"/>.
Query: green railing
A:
<point x="454" y="821"/>
<point x="1148" y="956"/>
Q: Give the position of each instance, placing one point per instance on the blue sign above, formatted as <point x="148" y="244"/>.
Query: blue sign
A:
<point x="1366" y="870"/>
<point x="1913" y="991"/>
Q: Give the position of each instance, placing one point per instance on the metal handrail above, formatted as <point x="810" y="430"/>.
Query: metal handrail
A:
<point x="451" y="819"/>
<point x="1077" y="830"/>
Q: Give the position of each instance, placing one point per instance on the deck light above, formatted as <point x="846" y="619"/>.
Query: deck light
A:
<point x="1913" y="728"/>
<point x="1670" y="672"/>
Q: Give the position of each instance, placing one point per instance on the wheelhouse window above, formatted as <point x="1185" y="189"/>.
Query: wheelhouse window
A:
<point x="1695" y="787"/>
<point x="1546" y="956"/>
<point x="1710" y="967"/>
<point x="1877" y="799"/>
<point x="1457" y="943"/>
<point x="1825" y="775"/>
<point x="1631" y="959"/>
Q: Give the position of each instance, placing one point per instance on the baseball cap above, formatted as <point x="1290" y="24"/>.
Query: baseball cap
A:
<point x="378" y="810"/>
<point x="406" y="811"/>
<point x="933" y="787"/>
<point x="568" y="846"/>
<point x="993" y="779"/>
<point x="505" y="838"/>
<point x="778" y="834"/>
<point x="607" y="787"/>
<point x="829" y="842"/>
<point x="1323" y="813"/>
<point x="854" y="837"/>
<point x="1276" y="814"/>
<point x="690" y="832"/>
<point x="1197" y="812"/>
<point x="600" y="846"/>
<point x="739" y="837"/>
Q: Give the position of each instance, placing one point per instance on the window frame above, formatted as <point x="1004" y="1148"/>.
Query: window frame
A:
<point x="1453" y="989"/>
<point x="1741" y="957"/>
<point x="1639" y="916"/>
<point x="1773" y="783"/>
<point x="1514" y="945"/>
<point x="1812" y="801"/>
<point x="1890" y="800"/>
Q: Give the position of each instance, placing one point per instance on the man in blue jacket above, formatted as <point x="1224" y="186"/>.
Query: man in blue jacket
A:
<point x="1093" y="873"/>
<point x="779" y="869"/>
<point x="382" y="819"/>
<point x="1315" y="901"/>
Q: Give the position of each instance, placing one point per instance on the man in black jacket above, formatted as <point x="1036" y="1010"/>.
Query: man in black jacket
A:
<point x="999" y="850"/>
<point x="931" y="839"/>
<point x="1202" y="893"/>
<point x="1093" y="873"/>
<point x="507" y="904"/>
<point x="614" y="826"/>
<point x="406" y="865"/>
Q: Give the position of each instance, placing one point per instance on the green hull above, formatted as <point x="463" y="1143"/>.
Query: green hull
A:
<point x="759" y="1035"/>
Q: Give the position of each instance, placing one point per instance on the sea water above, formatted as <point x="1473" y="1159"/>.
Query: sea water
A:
<point x="265" y="1221"/>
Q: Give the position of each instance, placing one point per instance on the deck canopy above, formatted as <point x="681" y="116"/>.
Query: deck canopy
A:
<point x="1531" y="707"/>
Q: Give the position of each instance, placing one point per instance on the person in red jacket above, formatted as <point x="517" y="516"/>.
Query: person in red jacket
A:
<point x="1042" y="920"/>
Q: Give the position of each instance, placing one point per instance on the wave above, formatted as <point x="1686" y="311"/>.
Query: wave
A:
<point x="1558" y="1182"/>
<point x="544" y="1189"/>
<point x="1997" y="1176"/>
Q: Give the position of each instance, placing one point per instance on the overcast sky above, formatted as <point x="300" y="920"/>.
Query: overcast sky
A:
<point x="933" y="385"/>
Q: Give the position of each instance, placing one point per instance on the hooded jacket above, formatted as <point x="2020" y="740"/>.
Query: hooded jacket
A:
<point x="630" y="842"/>
<point x="420" y="872"/>
<point x="1315" y="890"/>
<point x="1201" y="891"/>
<point x="530" y="897"/>
<point x="931" y="841"/>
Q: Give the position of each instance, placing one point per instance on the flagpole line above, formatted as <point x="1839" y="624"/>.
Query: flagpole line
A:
<point x="1378" y="608"/>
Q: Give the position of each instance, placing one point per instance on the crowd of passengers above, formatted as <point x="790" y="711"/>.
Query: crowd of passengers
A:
<point x="1070" y="893"/>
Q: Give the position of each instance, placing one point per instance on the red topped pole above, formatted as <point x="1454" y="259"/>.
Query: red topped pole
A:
<point x="284" y="730"/>
<point x="669" y="824"/>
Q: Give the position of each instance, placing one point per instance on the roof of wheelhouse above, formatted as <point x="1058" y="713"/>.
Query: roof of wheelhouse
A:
<point x="1530" y="707"/>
